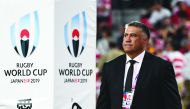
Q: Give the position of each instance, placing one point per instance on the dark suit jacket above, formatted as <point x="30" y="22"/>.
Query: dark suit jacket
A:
<point x="156" y="86"/>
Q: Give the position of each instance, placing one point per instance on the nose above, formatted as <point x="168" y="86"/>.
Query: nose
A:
<point x="127" y="38"/>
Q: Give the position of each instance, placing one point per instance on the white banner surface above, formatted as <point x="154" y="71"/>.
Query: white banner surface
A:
<point x="75" y="45"/>
<point x="27" y="54"/>
<point x="47" y="54"/>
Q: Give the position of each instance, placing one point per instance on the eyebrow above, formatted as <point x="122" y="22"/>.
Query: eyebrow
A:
<point x="130" y="34"/>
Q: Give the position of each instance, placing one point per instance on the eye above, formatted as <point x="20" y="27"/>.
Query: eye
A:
<point x="133" y="35"/>
<point x="126" y="34"/>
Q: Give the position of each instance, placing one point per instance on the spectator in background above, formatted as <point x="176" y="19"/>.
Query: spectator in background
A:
<point x="104" y="11"/>
<point x="181" y="13"/>
<point x="163" y="31"/>
<point x="186" y="70"/>
<point x="178" y="61"/>
<point x="180" y="36"/>
<point x="158" y="12"/>
<point x="103" y="42"/>
<point x="187" y="1"/>
<point x="187" y="58"/>
<point x="114" y="52"/>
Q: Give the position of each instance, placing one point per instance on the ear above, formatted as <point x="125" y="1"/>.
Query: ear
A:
<point x="145" y="40"/>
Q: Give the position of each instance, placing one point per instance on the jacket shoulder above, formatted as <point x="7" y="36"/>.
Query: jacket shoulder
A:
<point x="121" y="58"/>
<point x="156" y="59"/>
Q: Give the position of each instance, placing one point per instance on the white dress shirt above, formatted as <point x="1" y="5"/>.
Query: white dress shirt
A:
<point x="136" y="69"/>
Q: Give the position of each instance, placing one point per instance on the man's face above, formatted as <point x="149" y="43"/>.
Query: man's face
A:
<point x="134" y="40"/>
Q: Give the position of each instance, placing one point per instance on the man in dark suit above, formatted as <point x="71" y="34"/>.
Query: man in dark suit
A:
<point x="152" y="84"/>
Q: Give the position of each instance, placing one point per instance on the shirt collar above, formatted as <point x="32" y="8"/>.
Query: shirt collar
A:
<point x="138" y="58"/>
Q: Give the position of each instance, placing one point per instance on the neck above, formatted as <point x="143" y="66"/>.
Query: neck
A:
<point x="133" y="55"/>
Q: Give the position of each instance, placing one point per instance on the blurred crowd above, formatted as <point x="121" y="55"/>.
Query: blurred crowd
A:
<point x="170" y="38"/>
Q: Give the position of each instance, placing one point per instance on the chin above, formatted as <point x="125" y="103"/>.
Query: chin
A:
<point x="128" y="51"/>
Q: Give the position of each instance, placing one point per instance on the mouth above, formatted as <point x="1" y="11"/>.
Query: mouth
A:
<point x="128" y="45"/>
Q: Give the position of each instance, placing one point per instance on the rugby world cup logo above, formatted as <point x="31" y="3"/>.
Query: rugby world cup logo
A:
<point x="25" y="34"/>
<point x="75" y="34"/>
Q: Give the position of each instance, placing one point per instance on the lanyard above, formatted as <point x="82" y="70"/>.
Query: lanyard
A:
<point x="133" y="83"/>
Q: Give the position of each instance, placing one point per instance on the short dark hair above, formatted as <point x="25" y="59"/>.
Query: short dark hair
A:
<point x="144" y="28"/>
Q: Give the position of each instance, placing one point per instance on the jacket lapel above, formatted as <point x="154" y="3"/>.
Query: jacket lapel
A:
<point x="144" y="70"/>
<point x="121" y="73"/>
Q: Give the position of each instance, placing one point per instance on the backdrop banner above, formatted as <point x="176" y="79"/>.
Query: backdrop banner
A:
<point x="47" y="54"/>
<point x="75" y="45"/>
